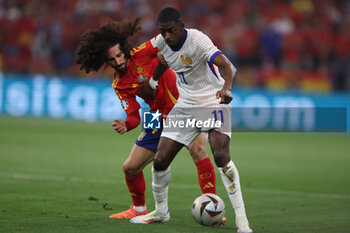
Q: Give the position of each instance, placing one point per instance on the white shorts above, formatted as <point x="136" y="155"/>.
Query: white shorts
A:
<point x="185" y="122"/>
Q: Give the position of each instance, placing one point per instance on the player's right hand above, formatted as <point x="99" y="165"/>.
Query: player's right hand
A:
<point x="224" y="95"/>
<point x="119" y="126"/>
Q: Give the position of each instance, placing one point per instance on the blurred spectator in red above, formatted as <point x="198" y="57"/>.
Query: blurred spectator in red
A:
<point x="261" y="36"/>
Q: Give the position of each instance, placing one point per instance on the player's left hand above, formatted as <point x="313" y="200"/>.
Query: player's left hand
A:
<point x="146" y="92"/>
<point x="119" y="126"/>
<point x="224" y="95"/>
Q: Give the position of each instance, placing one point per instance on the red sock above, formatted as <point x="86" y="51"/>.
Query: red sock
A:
<point x="137" y="189"/>
<point x="206" y="176"/>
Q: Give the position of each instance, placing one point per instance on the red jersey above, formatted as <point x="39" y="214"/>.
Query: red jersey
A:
<point x="141" y="66"/>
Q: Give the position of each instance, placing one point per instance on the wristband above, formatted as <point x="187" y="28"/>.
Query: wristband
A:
<point x="153" y="83"/>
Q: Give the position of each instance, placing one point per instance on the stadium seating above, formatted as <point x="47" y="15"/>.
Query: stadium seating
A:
<point x="294" y="44"/>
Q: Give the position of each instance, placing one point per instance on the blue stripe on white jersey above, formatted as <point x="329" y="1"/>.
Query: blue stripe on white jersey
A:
<point x="214" y="56"/>
<point x="211" y="66"/>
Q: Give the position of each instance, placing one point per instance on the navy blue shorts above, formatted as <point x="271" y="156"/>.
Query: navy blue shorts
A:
<point x="149" y="139"/>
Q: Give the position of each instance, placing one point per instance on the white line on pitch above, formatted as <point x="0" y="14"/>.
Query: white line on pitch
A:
<point x="56" y="178"/>
<point x="121" y="181"/>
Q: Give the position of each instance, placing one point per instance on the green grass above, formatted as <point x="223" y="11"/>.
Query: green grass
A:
<point x="48" y="170"/>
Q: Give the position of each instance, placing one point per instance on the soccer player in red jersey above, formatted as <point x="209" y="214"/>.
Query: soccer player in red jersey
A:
<point x="134" y="67"/>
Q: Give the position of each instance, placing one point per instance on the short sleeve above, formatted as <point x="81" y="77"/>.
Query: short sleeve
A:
<point x="150" y="48"/>
<point x="205" y="47"/>
<point x="158" y="42"/>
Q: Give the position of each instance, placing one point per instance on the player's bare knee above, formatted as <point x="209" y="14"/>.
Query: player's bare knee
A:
<point x="198" y="152"/>
<point x="221" y="157"/>
<point x="130" y="171"/>
<point x="159" y="165"/>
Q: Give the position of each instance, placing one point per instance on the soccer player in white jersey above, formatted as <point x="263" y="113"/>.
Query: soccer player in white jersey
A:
<point x="195" y="59"/>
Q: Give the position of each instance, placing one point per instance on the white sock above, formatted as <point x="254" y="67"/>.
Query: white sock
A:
<point x="230" y="178"/>
<point x="140" y="208"/>
<point x="160" y="181"/>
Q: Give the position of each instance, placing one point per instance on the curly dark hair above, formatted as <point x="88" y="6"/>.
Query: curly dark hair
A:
<point x="93" y="47"/>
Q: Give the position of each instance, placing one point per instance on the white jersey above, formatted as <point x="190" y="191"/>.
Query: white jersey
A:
<point x="198" y="79"/>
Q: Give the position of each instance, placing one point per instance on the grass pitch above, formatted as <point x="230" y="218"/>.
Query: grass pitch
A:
<point x="291" y="182"/>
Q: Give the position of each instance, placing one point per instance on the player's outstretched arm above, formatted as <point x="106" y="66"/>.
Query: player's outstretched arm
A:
<point x="229" y="75"/>
<point x="147" y="91"/>
<point x="160" y="69"/>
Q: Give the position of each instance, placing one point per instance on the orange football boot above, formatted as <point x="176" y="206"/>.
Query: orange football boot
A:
<point x="128" y="214"/>
<point x="222" y="222"/>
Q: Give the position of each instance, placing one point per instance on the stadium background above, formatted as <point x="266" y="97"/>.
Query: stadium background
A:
<point x="298" y="44"/>
<point x="291" y="54"/>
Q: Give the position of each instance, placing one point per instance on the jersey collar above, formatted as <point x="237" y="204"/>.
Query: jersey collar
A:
<point x="177" y="49"/>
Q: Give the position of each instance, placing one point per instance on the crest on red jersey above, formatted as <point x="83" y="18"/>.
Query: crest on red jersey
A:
<point x="125" y="104"/>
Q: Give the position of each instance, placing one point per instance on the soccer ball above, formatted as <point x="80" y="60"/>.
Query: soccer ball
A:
<point x="208" y="209"/>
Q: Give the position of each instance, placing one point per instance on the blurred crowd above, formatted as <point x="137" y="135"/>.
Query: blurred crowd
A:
<point x="278" y="44"/>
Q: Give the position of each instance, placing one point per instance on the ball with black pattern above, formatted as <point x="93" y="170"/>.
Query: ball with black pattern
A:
<point x="208" y="209"/>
